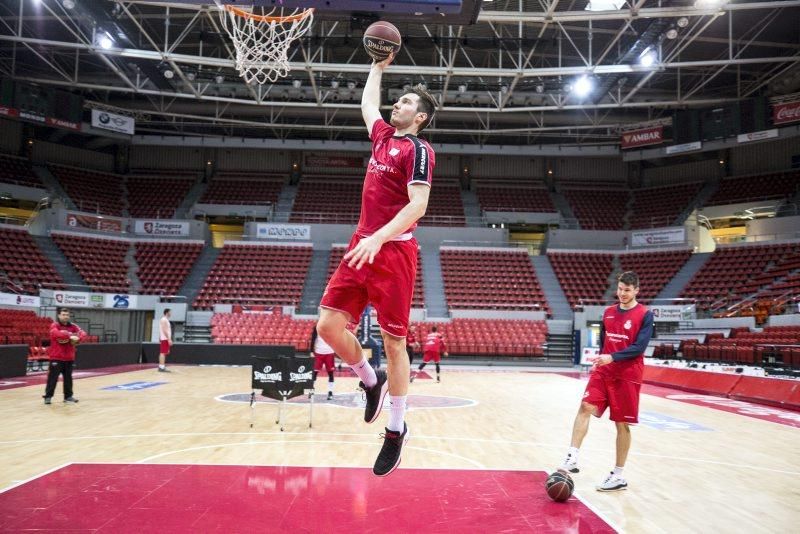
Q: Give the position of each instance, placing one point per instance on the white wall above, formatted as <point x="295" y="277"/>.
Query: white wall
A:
<point x="764" y="157"/>
<point x="44" y="152"/>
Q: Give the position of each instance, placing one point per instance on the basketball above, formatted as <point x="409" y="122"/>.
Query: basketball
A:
<point x="559" y="486"/>
<point x="381" y="39"/>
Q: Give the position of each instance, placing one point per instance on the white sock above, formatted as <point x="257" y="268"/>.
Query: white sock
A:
<point x="618" y="471"/>
<point x="365" y="372"/>
<point x="330" y="387"/>
<point x="573" y="452"/>
<point x="397" y="412"/>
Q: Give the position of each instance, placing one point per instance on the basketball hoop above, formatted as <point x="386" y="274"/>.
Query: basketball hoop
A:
<point x="262" y="40"/>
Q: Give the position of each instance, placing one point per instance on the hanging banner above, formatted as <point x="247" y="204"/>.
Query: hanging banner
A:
<point x="643" y="137"/>
<point x="78" y="299"/>
<point x="161" y="227"/>
<point x="113" y="122"/>
<point x="12" y="299"/>
<point x="686" y="147"/>
<point x="301" y="232"/>
<point x="757" y="136"/>
<point x="94" y="222"/>
<point x="119" y="302"/>
<point x="672" y="312"/>
<point x="666" y="236"/>
<point x="785" y="113"/>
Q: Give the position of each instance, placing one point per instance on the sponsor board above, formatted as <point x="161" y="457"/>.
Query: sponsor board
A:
<point x="133" y="386"/>
<point x="158" y="227"/>
<point x="6" y="111"/>
<point x="94" y="222"/>
<point x="642" y="137"/>
<point x="301" y="232"/>
<point x="12" y="299"/>
<point x="664" y="236"/>
<point x="686" y="147"/>
<point x="113" y="122"/>
<point x="665" y="422"/>
<point x="785" y="113"/>
<point x="119" y="301"/>
<point x="79" y="299"/>
<point x="672" y="312"/>
<point x="757" y="136"/>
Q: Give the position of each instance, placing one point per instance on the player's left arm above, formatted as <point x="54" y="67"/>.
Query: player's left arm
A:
<point x="368" y="248"/>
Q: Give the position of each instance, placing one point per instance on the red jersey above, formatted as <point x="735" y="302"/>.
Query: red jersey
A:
<point x="60" y="348"/>
<point x="434" y="343"/>
<point x="411" y="339"/>
<point x="621" y="328"/>
<point x="395" y="163"/>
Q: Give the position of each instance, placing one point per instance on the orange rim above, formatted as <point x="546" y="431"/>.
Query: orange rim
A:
<point x="265" y="18"/>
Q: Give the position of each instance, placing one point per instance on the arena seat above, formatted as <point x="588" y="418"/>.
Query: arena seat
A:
<point x="14" y="170"/>
<point x="583" y="276"/>
<point x="93" y="191"/>
<point x="23" y="263"/>
<point x="491" y="279"/>
<point x="660" y="206"/>
<point x="332" y="201"/>
<point x="766" y="186"/>
<point x="490" y="337"/>
<point x="156" y="196"/>
<point x="100" y="262"/>
<point x="256" y="274"/>
<point x="261" y="329"/>
<point x="655" y="269"/>
<point x="496" y="196"/>
<point x="163" y="266"/>
<point x="445" y="206"/>
<point x="598" y="209"/>
<point x="243" y="188"/>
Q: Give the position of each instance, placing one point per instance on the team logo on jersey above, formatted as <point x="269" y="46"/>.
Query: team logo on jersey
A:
<point x="627" y="325"/>
<point x="394" y="151"/>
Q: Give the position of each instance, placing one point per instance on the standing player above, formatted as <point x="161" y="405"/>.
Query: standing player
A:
<point x="323" y="357"/>
<point x="64" y="336"/>
<point x="381" y="262"/>
<point x="165" y="340"/>
<point x="616" y="377"/>
<point x="434" y="347"/>
<point x="411" y="343"/>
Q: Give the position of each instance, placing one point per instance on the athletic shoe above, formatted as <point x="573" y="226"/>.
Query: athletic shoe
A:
<point x="48" y="400"/>
<point x="375" y="396"/>
<point x="330" y="395"/>
<point x="163" y="370"/>
<point x="71" y="400"/>
<point x="570" y="465"/>
<point x="438" y="379"/>
<point x="613" y="483"/>
<point x="389" y="457"/>
<point x="413" y="376"/>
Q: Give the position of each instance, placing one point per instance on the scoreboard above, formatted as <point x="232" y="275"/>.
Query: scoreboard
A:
<point x="41" y="104"/>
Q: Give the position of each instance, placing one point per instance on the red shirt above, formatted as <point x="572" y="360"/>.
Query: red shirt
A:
<point x="411" y="339"/>
<point x="434" y="343"/>
<point x="395" y="163"/>
<point x="60" y="348"/>
<point x="621" y="328"/>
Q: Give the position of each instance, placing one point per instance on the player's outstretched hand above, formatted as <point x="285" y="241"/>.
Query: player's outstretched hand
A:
<point x="364" y="252"/>
<point x="386" y="62"/>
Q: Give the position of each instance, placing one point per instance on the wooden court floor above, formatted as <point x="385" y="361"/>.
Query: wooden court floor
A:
<point x="699" y="470"/>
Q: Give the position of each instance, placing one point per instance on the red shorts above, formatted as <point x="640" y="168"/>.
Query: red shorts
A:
<point x="323" y="360"/>
<point x="164" y="347"/>
<point x="621" y="396"/>
<point x="432" y="356"/>
<point x="388" y="284"/>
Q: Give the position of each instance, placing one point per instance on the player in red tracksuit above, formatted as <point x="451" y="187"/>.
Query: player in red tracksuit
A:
<point x="616" y="377"/>
<point x="381" y="261"/>
<point x="64" y="337"/>
<point x="432" y="351"/>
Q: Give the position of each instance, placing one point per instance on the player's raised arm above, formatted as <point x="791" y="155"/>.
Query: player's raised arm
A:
<point x="371" y="97"/>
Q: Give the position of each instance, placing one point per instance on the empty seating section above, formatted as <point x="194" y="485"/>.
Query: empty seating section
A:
<point x="156" y="196"/>
<point x="497" y="197"/>
<point x="100" y="262"/>
<point x="583" y="276"/>
<point x="752" y="188"/>
<point x="335" y="201"/>
<point x="598" y="209"/>
<point x="93" y="191"/>
<point x="736" y="272"/>
<point x="261" y="329"/>
<point x="23" y="264"/>
<point x="445" y="207"/>
<point x="493" y="337"/>
<point x="22" y="327"/>
<point x="491" y="279"/>
<point x="655" y="269"/>
<point x="257" y="275"/>
<point x="18" y="171"/>
<point x="774" y="346"/>
<point x="337" y="253"/>
<point x="660" y="206"/>
<point x="238" y="189"/>
<point x="163" y="266"/>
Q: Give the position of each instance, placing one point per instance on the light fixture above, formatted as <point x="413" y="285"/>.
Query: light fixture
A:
<point x="190" y="76"/>
<point x="568" y="88"/>
<point x="462" y="88"/>
<point x="68" y="4"/>
<point x="334" y="84"/>
<point x="540" y="88"/>
<point x="682" y="22"/>
<point x="550" y="172"/>
<point x="722" y="162"/>
<point x="219" y="78"/>
<point x="648" y="58"/>
<point x="672" y="33"/>
<point x="351" y="85"/>
<point x="168" y="74"/>
<point x="709" y="3"/>
<point x="105" y="42"/>
<point x="583" y="86"/>
<point x="604" y="5"/>
<point x="208" y="162"/>
<point x="504" y="89"/>
<point x="297" y="84"/>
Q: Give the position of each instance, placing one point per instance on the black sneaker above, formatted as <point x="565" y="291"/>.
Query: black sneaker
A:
<point x="375" y="396"/>
<point x="389" y="457"/>
<point x="48" y="400"/>
<point x="70" y="400"/>
<point x="438" y="379"/>
<point x="330" y="395"/>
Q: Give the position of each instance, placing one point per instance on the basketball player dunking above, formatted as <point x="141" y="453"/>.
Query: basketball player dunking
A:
<point x="381" y="262"/>
<point x="616" y="377"/>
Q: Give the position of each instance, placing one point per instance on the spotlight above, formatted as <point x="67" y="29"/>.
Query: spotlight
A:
<point x="190" y="76"/>
<point x="504" y="89"/>
<point x="462" y="88"/>
<point x="672" y="33"/>
<point x="334" y="84"/>
<point x="105" y="41"/>
<point x="540" y="88"/>
<point x="297" y="84"/>
<point x="683" y="22"/>
<point x="582" y="86"/>
<point x="648" y="58"/>
<point x="351" y="85"/>
<point x="68" y="4"/>
<point x="168" y="74"/>
<point x="219" y="78"/>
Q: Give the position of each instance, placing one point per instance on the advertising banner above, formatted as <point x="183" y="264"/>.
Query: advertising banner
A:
<point x="94" y="222"/>
<point x="686" y="147"/>
<point x="785" y="113"/>
<point x="296" y="232"/>
<point x="664" y="236"/>
<point x="662" y="313"/>
<point x="113" y="122"/>
<point x="642" y="137"/>
<point x="12" y="299"/>
<point x="160" y="228"/>
<point x="757" y="136"/>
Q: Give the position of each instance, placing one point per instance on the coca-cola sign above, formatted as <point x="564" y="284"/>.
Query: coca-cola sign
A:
<point x="785" y="113"/>
<point x="647" y="136"/>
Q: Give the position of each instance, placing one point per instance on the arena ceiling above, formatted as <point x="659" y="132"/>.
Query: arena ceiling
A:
<point x="508" y="78"/>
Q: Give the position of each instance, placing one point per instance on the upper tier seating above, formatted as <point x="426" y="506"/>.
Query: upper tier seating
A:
<point x="775" y="185"/>
<point x="156" y="197"/>
<point x="93" y="191"/>
<point x="655" y="269"/>
<point x="243" y="188"/>
<point x="506" y="197"/>
<point x="494" y="279"/>
<point x="582" y="275"/>
<point x="445" y="206"/>
<point x="256" y="274"/>
<point x="335" y="201"/>
<point x="23" y="264"/>
<point x="598" y="209"/>
<point x="660" y="206"/>
<point x="163" y="266"/>
<point x="14" y="170"/>
<point x="100" y="262"/>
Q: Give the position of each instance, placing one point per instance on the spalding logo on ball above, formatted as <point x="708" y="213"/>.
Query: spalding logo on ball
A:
<point x="382" y="39"/>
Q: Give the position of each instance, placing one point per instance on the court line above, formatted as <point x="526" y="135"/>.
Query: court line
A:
<point x="272" y="402"/>
<point x="294" y="442"/>
<point x="31" y="479"/>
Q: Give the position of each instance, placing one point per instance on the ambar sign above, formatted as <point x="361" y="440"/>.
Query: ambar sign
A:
<point x="648" y="136"/>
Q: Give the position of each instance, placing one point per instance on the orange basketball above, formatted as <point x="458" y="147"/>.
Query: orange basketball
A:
<point x="381" y="39"/>
<point x="559" y="486"/>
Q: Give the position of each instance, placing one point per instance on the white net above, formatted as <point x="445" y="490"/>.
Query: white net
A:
<point x="262" y="39"/>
